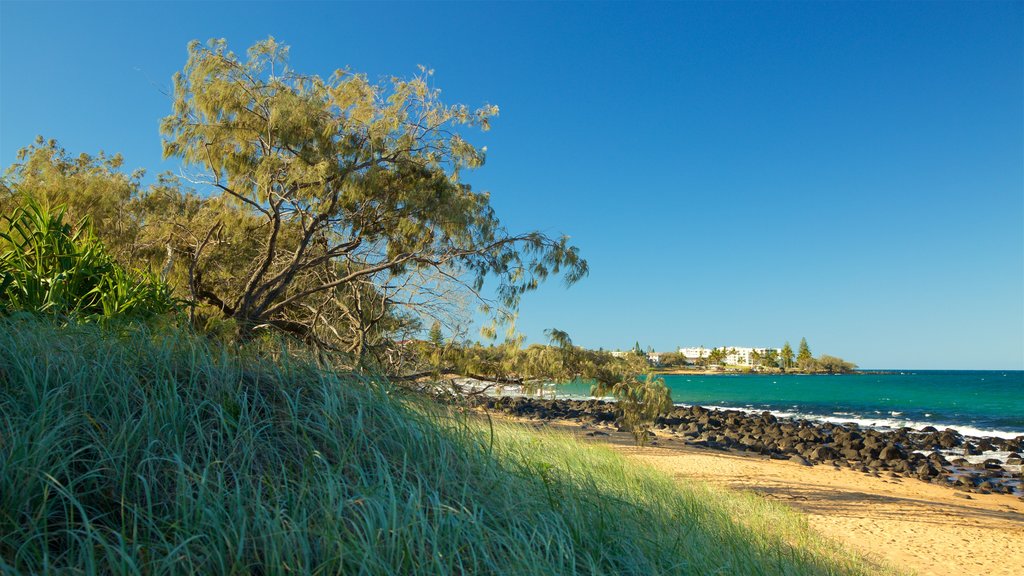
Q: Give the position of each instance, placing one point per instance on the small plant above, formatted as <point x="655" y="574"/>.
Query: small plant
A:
<point x="641" y="402"/>
<point x="48" y="266"/>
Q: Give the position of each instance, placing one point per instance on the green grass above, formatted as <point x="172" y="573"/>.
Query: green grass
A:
<point x="141" y="452"/>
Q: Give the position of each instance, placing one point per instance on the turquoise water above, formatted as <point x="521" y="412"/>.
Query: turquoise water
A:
<point x="973" y="402"/>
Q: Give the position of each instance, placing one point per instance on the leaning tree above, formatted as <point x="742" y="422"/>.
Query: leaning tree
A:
<point x="338" y="204"/>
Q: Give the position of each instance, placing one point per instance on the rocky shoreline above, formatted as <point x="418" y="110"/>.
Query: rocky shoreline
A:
<point x="931" y="455"/>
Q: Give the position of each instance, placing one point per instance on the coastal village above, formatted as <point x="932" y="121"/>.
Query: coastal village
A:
<point x="731" y="356"/>
<point x="731" y="359"/>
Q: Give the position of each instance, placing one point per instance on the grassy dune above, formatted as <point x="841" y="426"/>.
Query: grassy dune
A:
<point x="143" y="452"/>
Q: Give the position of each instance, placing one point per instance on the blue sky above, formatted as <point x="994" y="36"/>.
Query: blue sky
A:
<point x="739" y="174"/>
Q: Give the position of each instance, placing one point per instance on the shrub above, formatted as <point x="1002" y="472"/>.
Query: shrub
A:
<point x="48" y="266"/>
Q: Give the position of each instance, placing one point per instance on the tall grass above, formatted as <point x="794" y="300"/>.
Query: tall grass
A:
<point x="158" y="453"/>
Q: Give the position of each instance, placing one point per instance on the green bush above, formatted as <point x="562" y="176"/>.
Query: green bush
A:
<point x="48" y="266"/>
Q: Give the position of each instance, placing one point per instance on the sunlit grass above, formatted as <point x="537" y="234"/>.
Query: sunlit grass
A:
<point x="159" y="453"/>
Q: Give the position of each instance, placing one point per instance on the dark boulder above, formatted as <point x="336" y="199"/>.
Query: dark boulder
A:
<point x="949" y="439"/>
<point x="851" y="454"/>
<point x="925" y="471"/>
<point x="823" y="453"/>
<point x="891" y="452"/>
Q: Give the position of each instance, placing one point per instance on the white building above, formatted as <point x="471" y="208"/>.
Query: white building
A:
<point x="652" y="357"/>
<point x="695" y="353"/>
<point x="734" y="355"/>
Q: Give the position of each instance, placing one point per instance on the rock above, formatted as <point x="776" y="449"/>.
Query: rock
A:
<point x="949" y="439"/>
<point x="824" y="453"/>
<point x="799" y="460"/>
<point x="891" y="452"/>
<point x="962" y="495"/>
<point x="851" y="454"/>
<point x="869" y="453"/>
<point x="809" y="434"/>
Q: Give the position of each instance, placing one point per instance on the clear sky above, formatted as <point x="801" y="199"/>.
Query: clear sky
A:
<point x="736" y="174"/>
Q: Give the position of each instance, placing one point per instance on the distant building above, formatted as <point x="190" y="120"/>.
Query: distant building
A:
<point x="734" y="355"/>
<point x="652" y="357"/>
<point x="695" y="353"/>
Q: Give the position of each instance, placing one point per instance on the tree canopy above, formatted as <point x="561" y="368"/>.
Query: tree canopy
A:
<point x="350" y="193"/>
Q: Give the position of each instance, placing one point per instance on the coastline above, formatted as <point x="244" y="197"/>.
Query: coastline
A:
<point x="923" y="527"/>
<point x="886" y="401"/>
<point x="746" y="370"/>
<point x="970" y="464"/>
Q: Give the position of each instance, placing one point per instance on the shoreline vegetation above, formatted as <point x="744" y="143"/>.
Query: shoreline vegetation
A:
<point x="139" y="450"/>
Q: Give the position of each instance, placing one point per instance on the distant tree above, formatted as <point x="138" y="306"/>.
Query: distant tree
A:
<point x="673" y="360"/>
<point x="758" y="359"/>
<point x="638" y="350"/>
<point x="770" y="358"/>
<point x="804" y="359"/>
<point x="717" y="356"/>
<point x="786" y="356"/>
<point x="436" y="337"/>
<point x="702" y="358"/>
<point x="834" y="365"/>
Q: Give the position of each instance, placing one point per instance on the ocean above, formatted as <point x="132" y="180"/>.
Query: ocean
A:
<point x="975" y="403"/>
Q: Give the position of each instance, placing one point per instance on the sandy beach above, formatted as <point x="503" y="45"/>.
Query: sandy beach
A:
<point x="912" y="525"/>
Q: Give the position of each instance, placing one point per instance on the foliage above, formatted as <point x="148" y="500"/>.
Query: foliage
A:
<point x="332" y="209"/>
<point x="833" y="365"/>
<point x="767" y="359"/>
<point x="641" y="401"/>
<point x="716" y="356"/>
<point x="804" y="359"/>
<point x="87" y="187"/>
<point x="345" y="198"/>
<point x="161" y="453"/>
<point x="673" y="360"/>
<point x="47" y="266"/>
<point x="786" y="356"/>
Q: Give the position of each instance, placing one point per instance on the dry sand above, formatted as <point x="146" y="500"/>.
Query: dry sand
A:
<point x="913" y="525"/>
